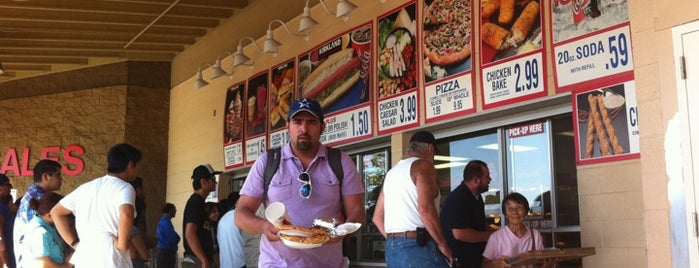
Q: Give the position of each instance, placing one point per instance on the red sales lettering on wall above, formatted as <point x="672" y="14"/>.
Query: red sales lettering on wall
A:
<point x="18" y="161"/>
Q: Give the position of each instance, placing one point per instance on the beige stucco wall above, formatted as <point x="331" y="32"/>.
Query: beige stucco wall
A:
<point x="95" y="119"/>
<point x="652" y="22"/>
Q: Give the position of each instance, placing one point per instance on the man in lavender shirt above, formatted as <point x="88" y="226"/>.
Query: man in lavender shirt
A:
<point x="307" y="186"/>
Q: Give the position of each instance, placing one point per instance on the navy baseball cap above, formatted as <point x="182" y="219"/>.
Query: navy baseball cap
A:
<point x="305" y="105"/>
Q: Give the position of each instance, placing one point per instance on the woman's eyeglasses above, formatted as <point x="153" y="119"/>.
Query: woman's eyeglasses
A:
<point x="306" y="189"/>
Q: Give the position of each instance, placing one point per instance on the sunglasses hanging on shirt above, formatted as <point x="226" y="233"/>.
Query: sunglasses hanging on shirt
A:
<point x="306" y="189"/>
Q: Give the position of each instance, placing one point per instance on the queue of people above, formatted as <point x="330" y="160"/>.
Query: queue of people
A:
<point x="82" y="229"/>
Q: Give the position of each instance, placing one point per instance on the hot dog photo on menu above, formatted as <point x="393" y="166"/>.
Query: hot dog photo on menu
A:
<point x="397" y="53"/>
<point x="447" y="38"/>
<point x="337" y="73"/>
<point x="509" y="28"/>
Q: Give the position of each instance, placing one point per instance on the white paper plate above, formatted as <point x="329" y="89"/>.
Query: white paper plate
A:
<point x="347" y="228"/>
<point x="298" y="245"/>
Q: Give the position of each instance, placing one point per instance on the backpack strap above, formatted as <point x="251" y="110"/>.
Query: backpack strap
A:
<point x="335" y="161"/>
<point x="273" y="158"/>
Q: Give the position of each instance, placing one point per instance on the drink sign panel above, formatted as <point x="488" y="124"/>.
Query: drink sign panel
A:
<point x="515" y="80"/>
<point x="278" y="138"/>
<point x="233" y="155"/>
<point x="593" y="57"/>
<point x="347" y="126"/>
<point x="254" y="148"/>
<point x="398" y="113"/>
<point x="449" y="98"/>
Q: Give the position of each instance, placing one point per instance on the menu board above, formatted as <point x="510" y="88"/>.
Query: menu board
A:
<point x="447" y="59"/>
<point x="281" y="94"/>
<point x="591" y="43"/>
<point x="606" y="124"/>
<point x="397" y="105"/>
<point x="256" y="116"/>
<point x="512" y="52"/>
<point x="338" y="75"/>
<point x="233" y="126"/>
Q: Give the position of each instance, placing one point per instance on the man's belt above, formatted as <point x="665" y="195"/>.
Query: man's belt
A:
<point x="406" y="234"/>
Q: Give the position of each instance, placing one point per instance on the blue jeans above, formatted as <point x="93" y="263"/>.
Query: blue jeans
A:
<point x="404" y="252"/>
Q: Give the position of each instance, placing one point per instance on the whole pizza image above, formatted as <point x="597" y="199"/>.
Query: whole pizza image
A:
<point x="447" y="30"/>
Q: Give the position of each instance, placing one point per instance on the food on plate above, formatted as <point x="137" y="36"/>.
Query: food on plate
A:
<point x="507" y="12"/>
<point x="333" y="78"/>
<point x="397" y="53"/>
<point x="447" y="31"/>
<point x="489" y="8"/>
<point x="299" y="234"/>
<point x="494" y="35"/>
<point x="523" y="24"/>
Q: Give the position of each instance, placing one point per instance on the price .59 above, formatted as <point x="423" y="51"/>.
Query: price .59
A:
<point x="531" y="76"/>
<point x="618" y="50"/>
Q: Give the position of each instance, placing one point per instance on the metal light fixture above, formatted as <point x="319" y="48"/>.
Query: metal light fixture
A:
<point x="216" y="70"/>
<point x="199" y="82"/>
<point x="272" y="44"/>
<point x="239" y="57"/>
<point x="344" y="7"/>
<point x="306" y="22"/>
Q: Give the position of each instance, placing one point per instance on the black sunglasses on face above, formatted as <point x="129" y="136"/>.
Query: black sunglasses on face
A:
<point x="306" y="189"/>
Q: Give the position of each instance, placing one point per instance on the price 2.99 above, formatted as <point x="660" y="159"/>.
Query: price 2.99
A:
<point x="530" y="78"/>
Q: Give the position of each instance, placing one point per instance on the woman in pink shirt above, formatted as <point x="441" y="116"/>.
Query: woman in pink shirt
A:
<point x="515" y="238"/>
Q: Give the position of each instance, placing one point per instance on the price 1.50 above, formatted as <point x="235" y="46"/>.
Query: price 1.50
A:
<point x="361" y="125"/>
<point x="530" y="78"/>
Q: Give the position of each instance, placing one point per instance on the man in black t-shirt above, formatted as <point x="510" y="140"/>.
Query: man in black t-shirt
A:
<point x="198" y="243"/>
<point x="463" y="216"/>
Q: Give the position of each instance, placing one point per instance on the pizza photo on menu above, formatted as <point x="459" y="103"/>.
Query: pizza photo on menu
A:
<point x="447" y="29"/>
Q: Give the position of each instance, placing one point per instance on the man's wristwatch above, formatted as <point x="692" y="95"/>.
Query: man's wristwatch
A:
<point x="75" y="242"/>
